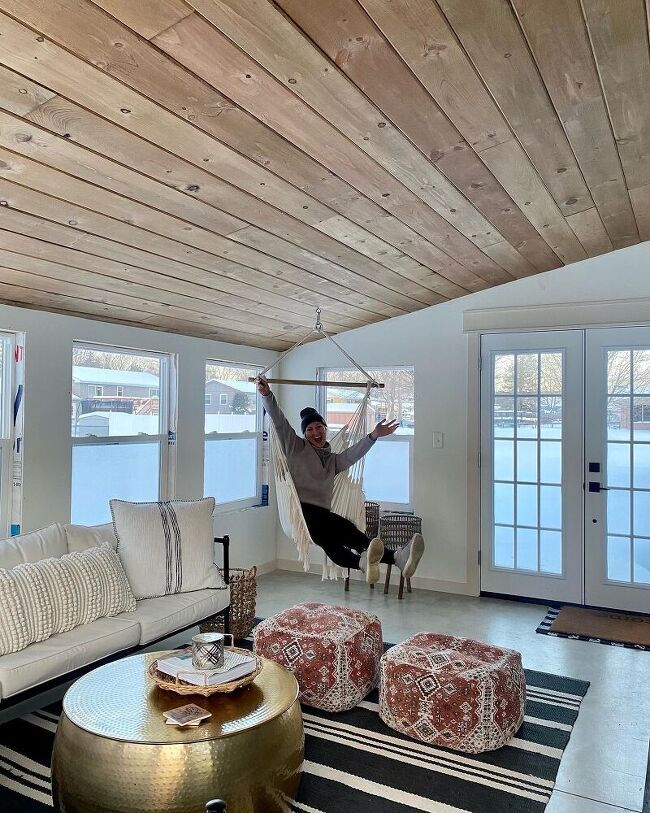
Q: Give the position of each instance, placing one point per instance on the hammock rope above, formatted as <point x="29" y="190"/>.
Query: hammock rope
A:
<point x="348" y="498"/>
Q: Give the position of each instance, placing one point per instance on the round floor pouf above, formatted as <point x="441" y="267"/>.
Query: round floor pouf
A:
<point x="333" y="652"/>
<point x="454" y="692"/>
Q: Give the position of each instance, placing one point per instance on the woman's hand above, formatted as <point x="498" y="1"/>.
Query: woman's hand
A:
<point x="383" y="428"/>
<point x="263" y="386"/>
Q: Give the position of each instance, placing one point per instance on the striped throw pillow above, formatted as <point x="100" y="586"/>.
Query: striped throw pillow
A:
<point x="41" y="599"/>
<point x="166" y="547"/>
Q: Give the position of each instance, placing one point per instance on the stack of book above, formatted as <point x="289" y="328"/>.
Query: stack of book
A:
<point x="236" y="665"/>
<point x="189" y="715"/>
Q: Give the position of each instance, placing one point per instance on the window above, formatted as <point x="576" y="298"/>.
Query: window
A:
<point x="388" y="472"/>
<point x="233" y="437"/>
<point x="120" y="447"/>
<point x="11" y="390"/>
<point x="97" y="392"/>
<point x="208" y="399"/>
<point x="119" y="391"/>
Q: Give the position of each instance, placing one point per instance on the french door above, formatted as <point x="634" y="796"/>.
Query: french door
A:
<point x="565" y="466"/>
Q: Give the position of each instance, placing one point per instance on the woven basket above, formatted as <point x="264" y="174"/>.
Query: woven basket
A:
<point x="396" y="529"/>
<point x="243" y="592"/>
<point x="178" y="685"/>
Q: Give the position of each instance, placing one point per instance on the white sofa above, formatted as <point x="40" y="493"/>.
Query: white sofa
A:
<point x="26" y="672"/>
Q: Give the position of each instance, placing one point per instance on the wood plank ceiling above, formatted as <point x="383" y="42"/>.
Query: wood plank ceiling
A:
<point x="221" y="167"/>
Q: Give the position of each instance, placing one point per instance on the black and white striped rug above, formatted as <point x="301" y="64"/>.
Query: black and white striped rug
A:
<point x="356" y="764"/>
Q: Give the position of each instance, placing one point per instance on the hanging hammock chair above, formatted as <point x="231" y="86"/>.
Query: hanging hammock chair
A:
<point x="348" y="499"/>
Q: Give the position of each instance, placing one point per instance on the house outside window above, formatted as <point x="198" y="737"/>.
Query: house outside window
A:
<point x="388" y="471"/>
<point x="11" y="412"/>
<point x="233" y="434"/>
<point x="120" y="443"/>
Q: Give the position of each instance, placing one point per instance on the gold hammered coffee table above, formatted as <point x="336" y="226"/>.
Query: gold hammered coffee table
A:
<point x="114" y="753"/>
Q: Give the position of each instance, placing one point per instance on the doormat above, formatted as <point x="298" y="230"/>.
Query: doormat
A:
<point x="598" y="626"/>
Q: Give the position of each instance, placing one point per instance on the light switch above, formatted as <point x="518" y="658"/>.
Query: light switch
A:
<point x="438" y="440"/>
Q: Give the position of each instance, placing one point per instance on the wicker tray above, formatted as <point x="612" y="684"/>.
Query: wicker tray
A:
<point x="176" y="684"/>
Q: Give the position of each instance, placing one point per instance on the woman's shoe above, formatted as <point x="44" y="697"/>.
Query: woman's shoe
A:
<point x="370" y="559"/>
<point x="408" y="556"/>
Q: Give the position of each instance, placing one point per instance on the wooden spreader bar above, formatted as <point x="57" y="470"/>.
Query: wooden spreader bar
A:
<point x="360" y="384"/>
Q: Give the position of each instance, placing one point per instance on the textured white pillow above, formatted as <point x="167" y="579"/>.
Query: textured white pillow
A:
<point x="44" y="598"/>
<point x="166" y="547"/>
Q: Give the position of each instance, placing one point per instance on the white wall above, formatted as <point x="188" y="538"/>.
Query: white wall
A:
<point x="433" y="341"/>
<point x="47" y="446"/>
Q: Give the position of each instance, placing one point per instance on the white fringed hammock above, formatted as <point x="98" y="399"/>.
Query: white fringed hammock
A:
<point x="348" y="499"/>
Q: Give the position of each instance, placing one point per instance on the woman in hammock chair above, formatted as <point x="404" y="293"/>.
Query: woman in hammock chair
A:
<point x="313" y="466"/>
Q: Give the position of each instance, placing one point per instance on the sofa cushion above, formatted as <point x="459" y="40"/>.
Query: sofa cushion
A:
<point x="66" y="652"/>
<point x="82" y="537"/>
<point x="41" y="599"/>
<point x="32" y="547"/>
<point x="162" y="616"/>
<point x="166" y="547"/>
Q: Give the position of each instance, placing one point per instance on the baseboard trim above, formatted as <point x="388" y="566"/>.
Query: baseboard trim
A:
<point x="267" y="567"/>
<point x="418" y="582"/>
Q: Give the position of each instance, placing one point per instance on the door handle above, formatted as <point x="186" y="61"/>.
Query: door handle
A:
<point x="595" y="486"/>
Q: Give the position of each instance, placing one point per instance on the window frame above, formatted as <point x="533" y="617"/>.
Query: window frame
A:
<point x="7" y="432"/>
<point x="223" y="399"/>
<point x="166" y="431"/>
<point x="246" y="502"/>
<point x="321" y="400"/>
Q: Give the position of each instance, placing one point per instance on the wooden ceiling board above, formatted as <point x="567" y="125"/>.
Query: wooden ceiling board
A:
<point x="260" y="30"/>
<point x="351" y="40"/>
<point x="221" y="167"/>
<point x="95" y="36"/>
<point x="495" y="44"/>
<point x="559" y="42"/>
<point x="619" y="39"/>
<point x="209" y="54"/>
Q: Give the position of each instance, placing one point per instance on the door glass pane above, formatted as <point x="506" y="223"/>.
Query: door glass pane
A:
<point x="504" y="460"/>
<point x="526" y="549"/>
<point x="527" y="417"/>
<point x="550" y="463"/>
<point x="550" y="417"/>
<point x="527" y="460"/>
<point x="550" y="507"/>
<point x="504" y="546"/>
<point x="527" y="505"/>
<point x="550" y="375"/>
<point x="230" y="469"/>
<point x="641" y="465"/>
<point x="618" y="464"/>
<point x="504" y="503"/>
<point x="619" y="365"/>
<point x="504" y="417"/>
<point x="642" y="561"/>
<point x="641" y="513"/>
<point x="641" y="371"/>
<point x="550" y="552"/>
<point x="618" y="558"/>
<point x="619" y="411"/>
<point x="504" y="372"/>
<point x="641" y="417"/>
<point x="618" y="511"/>
<point x="527" y="366"/>
<point x="124" y="471"/>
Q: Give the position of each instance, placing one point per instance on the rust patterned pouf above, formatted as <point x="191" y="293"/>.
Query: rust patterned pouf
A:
<point x="454" y="692"/>
<point x="333" y="652"/>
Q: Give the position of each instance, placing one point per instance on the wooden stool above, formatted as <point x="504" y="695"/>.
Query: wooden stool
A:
<point x="395" y="530"/>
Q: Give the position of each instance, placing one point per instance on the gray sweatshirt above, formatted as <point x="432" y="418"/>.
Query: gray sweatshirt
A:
<point x="312" y="470"/>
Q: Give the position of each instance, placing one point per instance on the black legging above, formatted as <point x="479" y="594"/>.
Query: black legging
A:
<point x="341" y="540"/>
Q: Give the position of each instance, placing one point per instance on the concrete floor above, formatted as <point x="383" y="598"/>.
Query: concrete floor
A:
<point x="604" y="767"/>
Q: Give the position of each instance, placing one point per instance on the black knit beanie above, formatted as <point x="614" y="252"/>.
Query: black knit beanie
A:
<point x="309" y="415"/>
